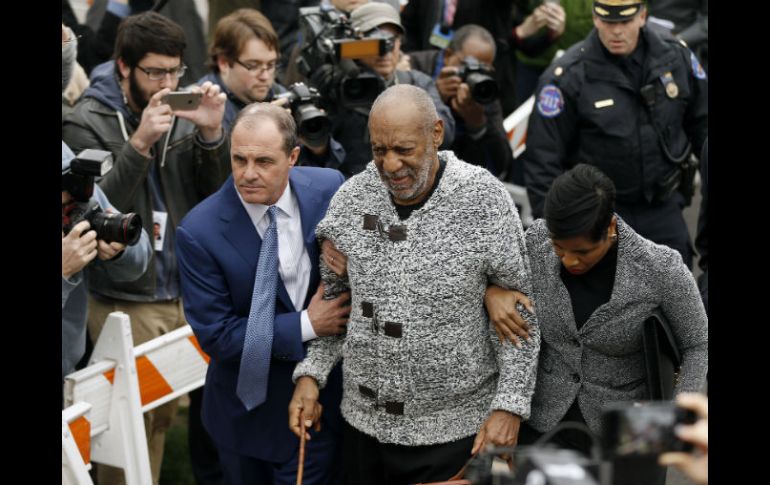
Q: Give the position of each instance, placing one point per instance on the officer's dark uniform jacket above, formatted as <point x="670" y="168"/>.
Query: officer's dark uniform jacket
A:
<point x="603" y="120"/>
<point x="189" y="170"/>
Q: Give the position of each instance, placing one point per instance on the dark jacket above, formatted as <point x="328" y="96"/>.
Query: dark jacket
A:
<point x="350" y="127"/>
<point x="587" y="110"/>
<point x="691" y="21"/>
<point x="489" y="150"/>
<point x="189" y="170"/>
<point x="702" y="237"/>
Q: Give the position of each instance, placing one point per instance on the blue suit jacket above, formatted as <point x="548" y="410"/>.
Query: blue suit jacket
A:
<point x="218" y="248"/>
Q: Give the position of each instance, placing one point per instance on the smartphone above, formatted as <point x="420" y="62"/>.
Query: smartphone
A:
<point x="643" y="429"/>
<point x="182" y="100"/>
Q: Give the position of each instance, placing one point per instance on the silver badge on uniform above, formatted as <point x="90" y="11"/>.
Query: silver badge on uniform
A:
<point x="672" y="90"/>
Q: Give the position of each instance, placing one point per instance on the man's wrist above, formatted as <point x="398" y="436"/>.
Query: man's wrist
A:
<point x="140" y="146"/>
<point x="211" y="135"/>
<point x="308" y="332"/>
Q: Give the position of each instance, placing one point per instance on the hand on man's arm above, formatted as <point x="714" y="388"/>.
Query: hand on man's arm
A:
<point x="328" y="317"/>
<point x="508" y="322"/>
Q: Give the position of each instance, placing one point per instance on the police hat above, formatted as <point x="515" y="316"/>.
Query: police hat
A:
<point x="616" y="10"/>
<point x="371" y="15"/>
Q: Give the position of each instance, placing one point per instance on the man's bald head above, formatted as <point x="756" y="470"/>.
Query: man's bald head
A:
<point x="404" y="103"/>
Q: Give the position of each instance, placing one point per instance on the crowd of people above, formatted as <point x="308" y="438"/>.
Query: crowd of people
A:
<point x="370" y="287"/>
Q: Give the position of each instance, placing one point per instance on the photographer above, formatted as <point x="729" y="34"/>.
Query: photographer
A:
<point x="79" y="248"/>
<point x="480" y="138"/>
<point x="166" y="162"/>
<point x="244" y="54"/>
<point x="349" y="96"/>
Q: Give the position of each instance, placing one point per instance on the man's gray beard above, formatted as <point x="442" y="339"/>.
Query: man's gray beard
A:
<point x="420" y="178"/>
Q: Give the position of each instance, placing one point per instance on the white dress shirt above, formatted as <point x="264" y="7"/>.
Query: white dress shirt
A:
<point x="294" y="262"/>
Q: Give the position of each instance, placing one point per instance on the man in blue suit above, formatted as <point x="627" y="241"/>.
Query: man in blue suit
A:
<point x="254" y="341"/>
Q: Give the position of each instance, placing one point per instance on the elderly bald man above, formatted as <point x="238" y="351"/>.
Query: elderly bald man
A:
<point x="426" y="382"/>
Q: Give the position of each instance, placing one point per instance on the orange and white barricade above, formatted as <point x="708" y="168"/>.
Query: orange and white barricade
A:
<point x="123" y="382"/>
<point x="516" y="128"/>
<point x="76" y="444"/>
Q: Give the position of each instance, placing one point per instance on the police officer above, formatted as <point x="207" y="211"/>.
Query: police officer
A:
<point x="635" y="105"/>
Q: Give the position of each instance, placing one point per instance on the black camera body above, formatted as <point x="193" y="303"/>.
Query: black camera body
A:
<point x="480" y="79"/>
<point x="78" y="180"/>
<point x="629" y="429"/>
<point x="327" y="56"/>
<point x="643" y="429"/>
<point x="312" y="123"/>
<point x="543" y="465"/>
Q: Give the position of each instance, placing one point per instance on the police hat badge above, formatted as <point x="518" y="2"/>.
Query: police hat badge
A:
<point x="616" y="10"/>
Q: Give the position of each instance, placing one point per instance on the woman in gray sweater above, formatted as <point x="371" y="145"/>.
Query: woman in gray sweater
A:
<point x="595" y="281"/>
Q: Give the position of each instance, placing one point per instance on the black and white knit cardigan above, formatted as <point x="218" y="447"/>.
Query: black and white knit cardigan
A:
<point x="447" y="367"/>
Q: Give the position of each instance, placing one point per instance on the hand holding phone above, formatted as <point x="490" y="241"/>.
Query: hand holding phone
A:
<point x="182" y="100"/>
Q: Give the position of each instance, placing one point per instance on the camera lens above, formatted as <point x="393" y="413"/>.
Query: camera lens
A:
<point x="354" y="89"/>
<point x="361" y="90"/>
<point x="483" y="88"/>
<point x="313" y="124"/>
<point x="122" y="228"/>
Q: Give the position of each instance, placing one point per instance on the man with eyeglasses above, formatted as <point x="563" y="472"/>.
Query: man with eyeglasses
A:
<point x="243" y="57"/>
<point x="165" y="162"/>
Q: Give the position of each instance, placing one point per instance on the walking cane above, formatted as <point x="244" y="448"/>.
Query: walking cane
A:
<point x="301" y="466"/>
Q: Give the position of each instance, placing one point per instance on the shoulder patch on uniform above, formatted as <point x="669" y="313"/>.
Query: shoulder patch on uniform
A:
<point x="697" y="69"/>
<point x="681" y="41"/>
<point x="550" y="101"/>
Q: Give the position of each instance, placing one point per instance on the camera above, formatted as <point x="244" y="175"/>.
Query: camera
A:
<point x="480" y="79"/>
<point x="326" y="57"/>
<point x="542" y="465"/>
<point x="643" y="429"/>
<point x="78" y="180"/>
<point x="312" y="123"/>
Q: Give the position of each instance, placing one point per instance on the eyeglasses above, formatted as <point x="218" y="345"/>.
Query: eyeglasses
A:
<point x="157" y="74"/>
<point x="258" y="67"/>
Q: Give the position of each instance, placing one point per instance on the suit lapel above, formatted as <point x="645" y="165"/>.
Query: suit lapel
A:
<point x="242" y="235"/>
<point x="311" y="209"/>
<point x="557" y="287"/>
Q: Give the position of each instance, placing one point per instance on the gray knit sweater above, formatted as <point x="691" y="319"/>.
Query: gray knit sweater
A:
<point x="447" y="367"/>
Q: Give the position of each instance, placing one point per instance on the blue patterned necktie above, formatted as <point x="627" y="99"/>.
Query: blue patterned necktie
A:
<point x="257" y="345"/>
